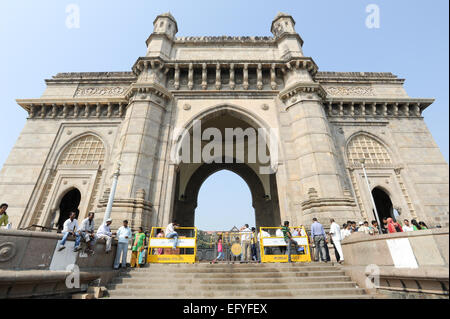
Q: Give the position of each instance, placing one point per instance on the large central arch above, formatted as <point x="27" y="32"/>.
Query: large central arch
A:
<point x="190" y="176"/>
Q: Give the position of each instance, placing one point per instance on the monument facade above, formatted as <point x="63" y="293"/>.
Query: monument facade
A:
<point x="324" y="124"/>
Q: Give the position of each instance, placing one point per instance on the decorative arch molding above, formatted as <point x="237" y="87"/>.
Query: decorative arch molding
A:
<point x="390" y="169"/>
<point x="57" y="155"/>
<point x="376" y="139"/>
<point x="84" y="174"/>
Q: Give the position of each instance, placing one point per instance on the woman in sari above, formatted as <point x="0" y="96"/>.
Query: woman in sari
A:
<point x="393" y="227"/>
<point x="138" y="247"/>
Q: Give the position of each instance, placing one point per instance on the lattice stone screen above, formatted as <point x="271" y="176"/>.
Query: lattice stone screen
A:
<point x="363" y="146"/>
<point x="87" y="150"/>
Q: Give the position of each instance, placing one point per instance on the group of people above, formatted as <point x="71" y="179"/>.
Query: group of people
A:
<point x="86" y="232"/>
<point x="389" y="226"/>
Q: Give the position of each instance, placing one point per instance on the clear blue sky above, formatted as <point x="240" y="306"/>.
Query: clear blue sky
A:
<point x="412" y="42"/>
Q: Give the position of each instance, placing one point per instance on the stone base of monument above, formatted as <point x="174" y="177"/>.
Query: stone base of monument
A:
<point x="31" y="266"/>
<point x="402" y="265"/>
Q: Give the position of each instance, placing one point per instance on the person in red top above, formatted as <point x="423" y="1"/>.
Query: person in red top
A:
<point x="393" y="227"/>
<point x="219" y="250"/>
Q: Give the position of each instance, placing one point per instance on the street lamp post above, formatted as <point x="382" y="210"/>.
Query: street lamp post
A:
<point x="362" y="161"/>
<point x="112" y="194"/>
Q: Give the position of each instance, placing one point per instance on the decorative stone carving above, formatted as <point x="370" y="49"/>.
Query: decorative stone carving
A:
<point x="350" y="90"/>
<point x="7" y="251"/>
<point x="100" y="91"/>
<point x="265" y="107"/>
<point x="186" y="107"/>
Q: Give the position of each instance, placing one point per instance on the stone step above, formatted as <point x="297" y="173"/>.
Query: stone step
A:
<point x="281" y="280"/>
<point x="162" y="288"/>
<point x="226" y="270"/>
<point x="188" y="275"/>
<point x="290" y="293"/>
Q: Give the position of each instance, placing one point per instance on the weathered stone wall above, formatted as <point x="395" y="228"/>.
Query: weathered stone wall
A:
<point x="403" y="264"/>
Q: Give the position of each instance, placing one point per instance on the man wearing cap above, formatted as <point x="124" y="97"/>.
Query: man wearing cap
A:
<point x="104" y="231"/>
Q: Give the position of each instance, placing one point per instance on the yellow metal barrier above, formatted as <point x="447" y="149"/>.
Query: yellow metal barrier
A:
<point x="160" y="248"/>
<point x="271" y="243"/>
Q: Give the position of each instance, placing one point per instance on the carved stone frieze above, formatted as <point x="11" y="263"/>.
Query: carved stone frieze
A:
<point x="350" y="90"/>
<point x="100" y="91"/>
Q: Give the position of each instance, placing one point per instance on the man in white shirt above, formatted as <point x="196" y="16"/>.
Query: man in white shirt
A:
<point x="335" y="233"/>
<point x="279" y="233"/>
<point x="171" y="233"/>
<point x="123" y="235"/>
<point x="246" y="243"/>
<point x="263" y="234"/>
<point x="346" y="231"/>
<point x="104" y="231"/>
<point x="70" y="227"/>
<point x="406" y="226"/>
<point x="364" y="228"/>
<point x="87" y="231"/>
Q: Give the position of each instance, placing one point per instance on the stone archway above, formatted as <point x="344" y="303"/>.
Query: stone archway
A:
<point x="383" y="203"/>
<point x="69" y="203"/>
<point x="267" y="211"/>
<point x="190" y="175"/>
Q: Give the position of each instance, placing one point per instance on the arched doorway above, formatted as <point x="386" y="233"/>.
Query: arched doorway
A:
<point x="383" y="203"/>
<point x="256" y="170"/>
<point x="69" y="203"/>
<point x="224" y="201"/>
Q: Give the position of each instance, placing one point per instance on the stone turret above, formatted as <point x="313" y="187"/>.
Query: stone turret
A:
<point x="164" y="30"/>
<point x="289" y="42"/>
<point x="165" y="24"/>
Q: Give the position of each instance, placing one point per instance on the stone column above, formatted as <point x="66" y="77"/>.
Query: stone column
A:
<point x="314" y="150"/>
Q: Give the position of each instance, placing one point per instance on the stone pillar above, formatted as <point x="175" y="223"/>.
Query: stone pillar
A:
<point x="321" y="190"/>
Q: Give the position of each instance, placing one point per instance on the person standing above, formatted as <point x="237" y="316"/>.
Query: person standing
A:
<point x="423" y="225"/>
<point x="373" y="230"/>
<point x="219" y="250"/>
<point x="335" y="234"/>
<point x="279" y="233"/>
<point x="407" y="227"/>
<point x="138" y="247"/>
<point x="104" y="232"/>
<point x="415" y="225"/>
<point x="87" y="232"/>
<point x="70" y="227"/>
<point x="254" y="249"/>
<point x="289" y="240"/>
<point x="3" y="215"/>
<point x="123" y="235"/>
<point x="246" y="234"/>
<point x="393" y="227"/>
<point x="364" y="227"/>
<point x="384" y="227"/>
<point x="319" y="238"/>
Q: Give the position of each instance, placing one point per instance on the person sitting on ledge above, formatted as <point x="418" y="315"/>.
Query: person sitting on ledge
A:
<point x="104" y="231"/>
<point x="87" y="232"/>
<point x="70" y="227"/>
<point x="171" y="233"/>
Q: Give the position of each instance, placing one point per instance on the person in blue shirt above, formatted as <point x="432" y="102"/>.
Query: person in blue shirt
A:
<point x="123" y="236"/>
<point x="319" y="238"/>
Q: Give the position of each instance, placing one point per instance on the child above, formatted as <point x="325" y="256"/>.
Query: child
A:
<point x="219" y="250"/>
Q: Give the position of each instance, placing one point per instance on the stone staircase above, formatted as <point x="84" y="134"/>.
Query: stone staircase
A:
<point x="235" y="281"/>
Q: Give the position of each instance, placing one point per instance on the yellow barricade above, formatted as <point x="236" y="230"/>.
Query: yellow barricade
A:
<point x="160" y="248"/>
<point x="270" y="246"/>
